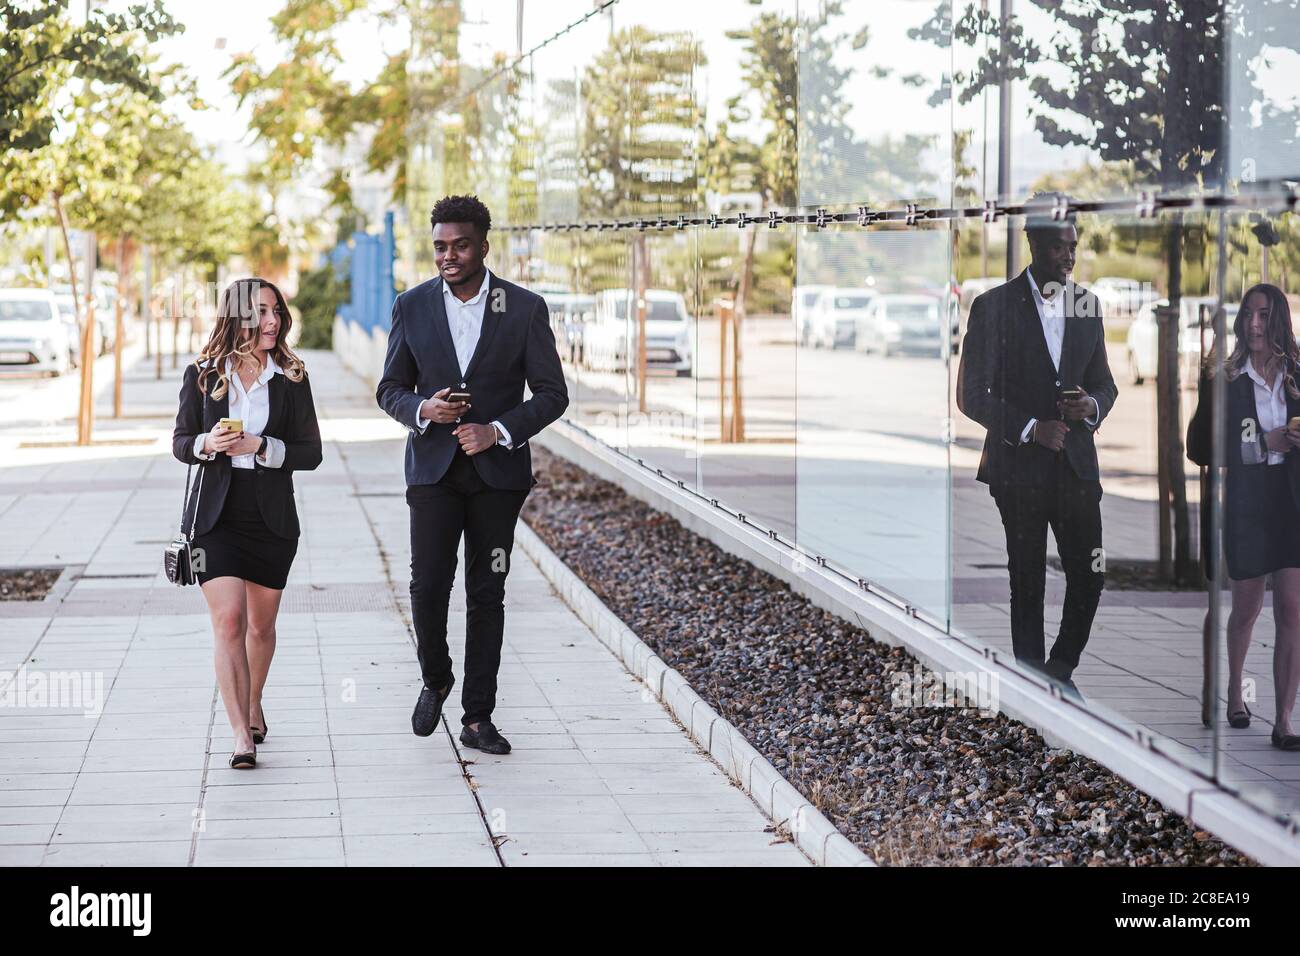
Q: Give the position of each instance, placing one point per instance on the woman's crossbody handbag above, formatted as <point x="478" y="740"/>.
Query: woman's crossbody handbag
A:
<point x="178" y="558"/>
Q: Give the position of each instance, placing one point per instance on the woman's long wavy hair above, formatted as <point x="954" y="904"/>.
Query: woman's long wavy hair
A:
<point x="1280" y="336"/>
<point x="236" y="333"/>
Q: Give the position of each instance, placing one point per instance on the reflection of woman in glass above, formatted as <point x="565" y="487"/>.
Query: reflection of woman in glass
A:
<point x="1261" y="521"/>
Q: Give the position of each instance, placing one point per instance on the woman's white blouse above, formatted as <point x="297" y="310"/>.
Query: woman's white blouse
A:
<point x="253" y="408"/>
<point x="1270" y="405"/>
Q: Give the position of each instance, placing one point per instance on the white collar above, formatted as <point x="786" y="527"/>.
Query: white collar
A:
<point x="1259" y="379"/>
<point x="1038" y="293"/>
<point x="474" y="299"/>
<point x="265" y="376"/>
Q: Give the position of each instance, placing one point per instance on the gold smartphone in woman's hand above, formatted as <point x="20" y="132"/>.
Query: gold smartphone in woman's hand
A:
<point x="232" y="424"/>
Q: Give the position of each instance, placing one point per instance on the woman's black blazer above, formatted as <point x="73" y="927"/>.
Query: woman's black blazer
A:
<point x="1245" y="498"/>
<point x="292" y="419"/>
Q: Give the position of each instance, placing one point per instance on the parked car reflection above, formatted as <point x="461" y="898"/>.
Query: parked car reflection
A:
<point x="1196" y="333"/>
<point x="901" y="324"/>
<point x="609" y="339"/>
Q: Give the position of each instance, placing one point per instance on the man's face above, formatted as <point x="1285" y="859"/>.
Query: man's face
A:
<point x="458" y="251"/>
<point x="1054" y="253"/>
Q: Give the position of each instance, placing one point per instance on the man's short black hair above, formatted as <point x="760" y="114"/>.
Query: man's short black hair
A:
<point x="462" y="209"/>
<point x="1040" y="223"/>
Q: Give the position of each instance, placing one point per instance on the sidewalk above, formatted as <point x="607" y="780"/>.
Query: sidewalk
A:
<point x="600" y="775"/>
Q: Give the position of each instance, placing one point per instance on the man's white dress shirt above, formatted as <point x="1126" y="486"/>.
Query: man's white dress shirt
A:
<point x="252" y="406"/>
<point x="465" y="320"/>
<point x="1270" y="405"/>
<point x="1051" y="313"/>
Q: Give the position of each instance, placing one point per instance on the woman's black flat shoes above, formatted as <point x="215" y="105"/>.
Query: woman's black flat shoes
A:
<point x="259" y="733"/>
<point x="1239" y="719"/>
<point x="1286" y="741"/>
<point x="249" y="761"/>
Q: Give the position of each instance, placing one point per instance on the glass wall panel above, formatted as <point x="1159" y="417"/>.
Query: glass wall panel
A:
<point x="1096" y="97"/>
<point x="1263" y="93"/>
<point x="661" y="373"/>
<point x="873" y="406"/>
<point x="1118" y="505"/>
<point x="747" y="87"/>
<point x="1259" y="645"/>
<point x="875" y="124"/>
<point x="605" y="279"/>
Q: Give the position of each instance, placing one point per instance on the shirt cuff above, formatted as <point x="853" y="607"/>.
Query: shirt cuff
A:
<point x="198" y="448"/>
<point x="1024" y="435"/>
<point x="1091" y="420"/>
<point x="274" y="453"/>
<point x="505" y="439"/>
<point x="421" y="424"/>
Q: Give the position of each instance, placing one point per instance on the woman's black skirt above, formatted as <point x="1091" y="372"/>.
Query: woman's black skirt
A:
<point x="1261" y="534"/>
<point x="240" y="545"/>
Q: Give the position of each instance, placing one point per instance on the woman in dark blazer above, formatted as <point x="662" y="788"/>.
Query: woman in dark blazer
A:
<point x="1261" y="499"/>
<point x="241" y="505"/>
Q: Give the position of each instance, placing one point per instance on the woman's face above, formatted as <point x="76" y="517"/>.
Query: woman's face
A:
<point x="268" y="321"/>
<point x="1257" y="315"/>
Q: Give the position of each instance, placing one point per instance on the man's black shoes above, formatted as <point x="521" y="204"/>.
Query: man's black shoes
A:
<point x="428" y="709"/>
<point x="486" y="738"/>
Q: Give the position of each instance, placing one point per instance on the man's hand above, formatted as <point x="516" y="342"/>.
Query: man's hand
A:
<point x="475" y="438"/>
<point x="1076" y="409"/>
<point x="220" y="439"/>
<point x="437" y="409"/>
<point x="1050" y="434"/>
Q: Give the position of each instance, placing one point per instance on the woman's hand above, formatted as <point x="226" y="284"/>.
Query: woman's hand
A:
<point x="1279" y="440"/>
<point x="1293" y="436"/>
<point x="245" y="444"/>
<point x="220" y="440"/>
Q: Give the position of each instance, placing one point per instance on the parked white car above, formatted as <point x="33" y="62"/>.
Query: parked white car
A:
<point x="909" y="324"/>
<point x="803" y="299"/>
<point x="1195" y="336"/>
<point x="32" y="334"/>
<point x="835" y="316"/>
<point x="1120" y="296"/>
<point x="609" y="341"/>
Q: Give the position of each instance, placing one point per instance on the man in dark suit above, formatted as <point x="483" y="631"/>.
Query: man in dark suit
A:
<point x="1034" y="374"/>
<point x="468" y="466"/>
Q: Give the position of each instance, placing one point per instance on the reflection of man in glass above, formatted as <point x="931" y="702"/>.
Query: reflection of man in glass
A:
<point x="1034" y="374"/>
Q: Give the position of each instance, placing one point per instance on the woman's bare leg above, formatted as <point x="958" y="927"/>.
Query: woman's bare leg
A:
<point x="1286" y="653"/>
<point x="227" y="607"/>
<point x="1247" y="600"/>
<point x="263" y="608"/>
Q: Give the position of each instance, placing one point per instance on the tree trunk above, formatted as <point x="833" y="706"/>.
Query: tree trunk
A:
<point x="1176" y="560"/>
<point x="737" y="327"/>
<point x="119" y="331"/>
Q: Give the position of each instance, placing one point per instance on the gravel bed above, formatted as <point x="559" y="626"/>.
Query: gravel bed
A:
<point x="26" y="584"/>
<point x="914" y="786"/>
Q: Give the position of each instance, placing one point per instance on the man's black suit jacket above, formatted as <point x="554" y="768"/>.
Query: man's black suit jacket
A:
<point x="1006" y="378"/>
<point x="516" y="346"/>
<point x="291" y="418"/>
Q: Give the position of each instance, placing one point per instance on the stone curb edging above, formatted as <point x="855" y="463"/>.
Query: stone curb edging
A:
<point x="813" y="834"/>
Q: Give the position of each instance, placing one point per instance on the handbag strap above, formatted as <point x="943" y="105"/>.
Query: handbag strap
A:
<point x="198" y="494"/>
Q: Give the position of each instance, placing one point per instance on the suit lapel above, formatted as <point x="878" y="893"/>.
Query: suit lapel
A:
<point x="491" y="320"/>
<point x="442" y="328"/>
<point x="1031" y="322"/>
<point x="275" y="397"/>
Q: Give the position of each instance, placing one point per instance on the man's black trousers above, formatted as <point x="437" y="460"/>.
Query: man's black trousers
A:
<point x="460" y="503"/>
<point x="1071" y="507"/>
